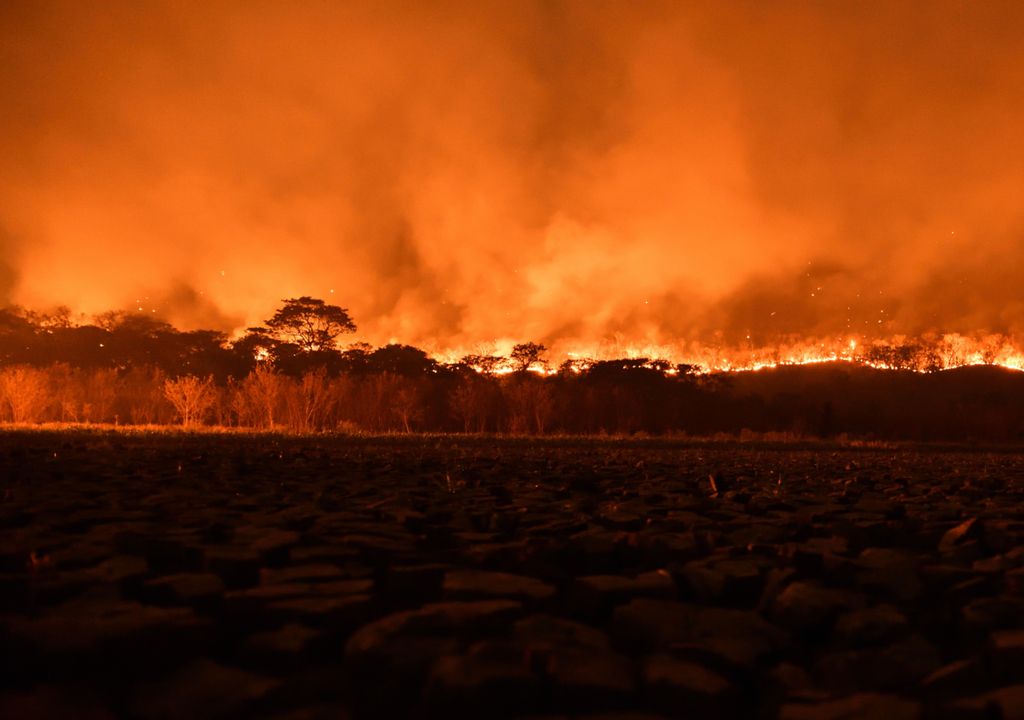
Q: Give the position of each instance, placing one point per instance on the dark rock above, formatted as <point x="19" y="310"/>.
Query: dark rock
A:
<point x="594" y="596"/>
<point x="51" y="703"/>
<point x="670" y="685"/>
<point x="399" y="584"/>
<point x="730" y="582"/>
<point x="864" y="706"/>
<point x="544" y="632"/>
<point x="490" y="680"/>
<point x="453" y="619"/>
<point x="1006" y="652"/>
<point x="119" y="640"/>
<point x="1006" y="703"/>
<point x="890" y="572"/>
<point x="870" y="626"/>
<point x="808" y="607"/>
<point x="334" y="612"/>
<point x="202" y="591"/>
<point x="986" y="614"/>
<point x="1014" y="582"/>
<point x="173" y="555"/>
<point x="589" y="679"/>
<point x="892" y="667"/>
<point x="479" y="584"/>
<point x="964" y="532"/>
<point x="203" y="689"/>
<point x="238" y="567"/>
<point x="646" y="624"/>
<point x="957" y="679"/>
<point x="286" y="648"/>
<point x="318" y="573"/>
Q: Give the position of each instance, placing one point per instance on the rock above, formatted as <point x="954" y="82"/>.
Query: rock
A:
<point x="544" y="632"/>
<point x="891" y="572"/>
<point x="863" y="706"/>
<point x="338" y="612"/>
<point x="490" y="680"/>
<point x="125" y="637"/>
<point x="479" y="585"/>
<point x="202" y="591"/>
<point x="447" y="618"/>
<point x="1013" y="581"/>
<point x="646" y="625"/>
<point x="964" y="532"/>
<point x="808" y="607"/>
<point x="730" y="582"/>
<point x="170" y="554"/>
<point x="398" y="583"/>
<point x="870" y="626"/>
<point x="669" y="685"/>
<point x="203" y="689"/>
<point x="986" y="614"/>
<point x="126" y="571"/>
<point x="313" y="573"/>
<point x="390" y="656"/>
<point x="1006" y="652"/>
<point x="788" y="679"/>
<point x="588" y="679"/>
<point x="957" y="679"/>
<point x="51" y="703"/>
<point x="286" y="648"/>
<point x="237" y="567"/>
<point x="273" y="546"/>
<point x="1006" y="703"/>
<point x="892" y="667"/>
<point x="594" y="596"/>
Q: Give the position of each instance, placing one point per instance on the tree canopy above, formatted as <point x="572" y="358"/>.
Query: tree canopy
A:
<point x="310" y="323"/>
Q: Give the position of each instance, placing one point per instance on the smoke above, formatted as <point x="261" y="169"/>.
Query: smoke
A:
<point x="578" y="173"/>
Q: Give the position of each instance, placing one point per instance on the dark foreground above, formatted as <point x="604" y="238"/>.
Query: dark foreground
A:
<point x="187" y="577"/>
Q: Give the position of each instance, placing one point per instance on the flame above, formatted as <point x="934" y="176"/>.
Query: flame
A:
<point x="925" y="354"/>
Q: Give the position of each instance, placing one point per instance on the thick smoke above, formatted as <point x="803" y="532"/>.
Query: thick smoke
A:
<point x="571" y="172"/>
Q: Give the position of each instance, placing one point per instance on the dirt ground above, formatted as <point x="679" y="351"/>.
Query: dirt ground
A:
<point x="244" y="576"/>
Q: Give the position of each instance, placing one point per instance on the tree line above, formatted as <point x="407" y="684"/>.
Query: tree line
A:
<point x="292" y="373"/>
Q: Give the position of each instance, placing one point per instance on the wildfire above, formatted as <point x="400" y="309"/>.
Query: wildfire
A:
<point x="925" y="354"/>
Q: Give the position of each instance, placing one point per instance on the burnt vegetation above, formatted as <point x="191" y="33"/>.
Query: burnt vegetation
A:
<point x="294" y="374"/>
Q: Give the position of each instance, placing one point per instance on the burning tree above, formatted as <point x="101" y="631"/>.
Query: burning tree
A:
<point x="311" y="324"/>
<point x="192" y="397"/>
<point x="526" y="355"/>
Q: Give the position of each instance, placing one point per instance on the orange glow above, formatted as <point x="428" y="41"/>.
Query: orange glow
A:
<point x="726" y="185"/>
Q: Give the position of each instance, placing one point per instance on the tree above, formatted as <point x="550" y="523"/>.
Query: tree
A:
<point x="400" y="360"/>
<point x="483" y="364"/>
<point x="192" y="397"/>
<point x="257" y="397"/>
<point x="526" y="355"/>
<point x="311" y="324"/>
<point x="24" y="394"/>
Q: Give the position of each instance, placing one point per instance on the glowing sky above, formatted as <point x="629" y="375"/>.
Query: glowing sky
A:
<point x="567" y="172"/>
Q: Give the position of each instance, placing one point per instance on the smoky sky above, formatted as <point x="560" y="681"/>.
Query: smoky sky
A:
<point x="569" y="172"/>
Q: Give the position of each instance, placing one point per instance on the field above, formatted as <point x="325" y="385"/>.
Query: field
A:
<point x="187" y="576"/>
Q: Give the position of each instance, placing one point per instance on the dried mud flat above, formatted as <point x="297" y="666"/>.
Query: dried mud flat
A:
<point x="207" y="576"/>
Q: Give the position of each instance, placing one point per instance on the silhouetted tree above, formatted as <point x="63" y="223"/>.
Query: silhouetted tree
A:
<point x="526" y="355"/>
<point x="483" y="364"/>
<point x="400" y="360"/>
<point x="311" y="324"/>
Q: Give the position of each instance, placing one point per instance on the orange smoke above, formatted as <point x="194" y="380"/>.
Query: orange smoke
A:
<point x="471" y="174"/>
